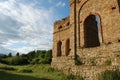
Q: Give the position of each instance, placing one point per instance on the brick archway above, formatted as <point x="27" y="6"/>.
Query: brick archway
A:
<point x="91" y="31"/>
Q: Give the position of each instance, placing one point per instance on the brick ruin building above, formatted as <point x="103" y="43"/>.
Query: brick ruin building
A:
<point x="90" y="37"/>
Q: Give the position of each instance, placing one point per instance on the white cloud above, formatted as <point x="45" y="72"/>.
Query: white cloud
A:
<point x="60" y="3"/>
<point x="36" y="25"/>
<point x="25" y="49"/>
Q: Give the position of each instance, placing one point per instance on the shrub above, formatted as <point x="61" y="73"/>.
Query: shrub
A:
<point x="69" y="77"/>
<point x="108" y="62"/>
<point x="25" y="71"/>
<point x="35" y="61"/>
<point x="50" y="69"/>
<point x="48" y="57"/>
<point x="8" y="68"/>
<point x="17" y="60"/>
<point x="42" y="57"/>
<point x="92" y="61"/>
<point x="110" y="75"/>
<point x="79" y="78"/>
<point x="3" y="61"/>
<point x="33" y="57"/>
<point x="78" y="61"/>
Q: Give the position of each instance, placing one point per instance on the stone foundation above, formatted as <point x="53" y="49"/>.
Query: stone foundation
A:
<point x="94" y="61"/>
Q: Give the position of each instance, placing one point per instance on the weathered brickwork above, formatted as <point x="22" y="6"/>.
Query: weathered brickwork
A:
<point x="97" y="38"/>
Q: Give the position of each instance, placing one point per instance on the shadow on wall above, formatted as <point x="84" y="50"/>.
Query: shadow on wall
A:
<point x="9" y="76"/>
<point x="119" y="4"/>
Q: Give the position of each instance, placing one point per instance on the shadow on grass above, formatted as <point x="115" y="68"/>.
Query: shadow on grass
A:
<point x="9" y="76"/>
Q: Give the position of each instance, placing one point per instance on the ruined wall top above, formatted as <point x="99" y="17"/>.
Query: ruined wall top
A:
<point x="61" y="24"/>
<point x="72" y="1"/>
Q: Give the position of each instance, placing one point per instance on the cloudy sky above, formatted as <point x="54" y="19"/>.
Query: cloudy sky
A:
<point x="27" y="25"/>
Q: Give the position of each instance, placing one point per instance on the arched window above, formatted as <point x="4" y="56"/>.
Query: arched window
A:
<point x="91" y="31"/>
<point x="68" y="24"/>
<point x="59" y="49"/>
<point x="59" y="27"/>
<point x="67" y="47"/>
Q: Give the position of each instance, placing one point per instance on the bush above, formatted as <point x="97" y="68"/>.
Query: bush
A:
<point x="25" y="71"/>
<point x="79" y="78"/>
<point x="92" y="61"/>
<point x="78" y="61"/>
<point x="108" y="62"/>
<point x="42" y="57"/>
<point x="7" y="68"/>
<point x="110" y="75"/>
<point x="3" y="61"/>
<point x="35" y="61"/>
<point x="69" y="77"/>
<point x="48" y="56"/>
<point x="50" y="70"/>
<point x="72" y="77"/>
<point x="17" y="60"/>
<point x="33" y="57"/>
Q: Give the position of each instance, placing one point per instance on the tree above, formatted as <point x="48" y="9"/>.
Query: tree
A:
<point x="10" y="54"/>
<point x="18" y="54"/>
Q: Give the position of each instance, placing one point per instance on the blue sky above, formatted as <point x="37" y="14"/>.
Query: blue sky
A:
<point x="27" y="25"/>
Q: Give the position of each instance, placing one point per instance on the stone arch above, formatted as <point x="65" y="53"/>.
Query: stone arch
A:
<point x="67" y="47"/>
<point x="80" y="40"/>
<point x="59" y="49"/>
<point x="91" y="31"/>
<point x="79" y="21"/>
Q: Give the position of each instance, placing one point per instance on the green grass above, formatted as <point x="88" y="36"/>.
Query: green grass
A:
<point x="9" y="76"/>
<point x="31" y="72"/>
<point x="110" y="75"/>
<point x="39" y="72"/>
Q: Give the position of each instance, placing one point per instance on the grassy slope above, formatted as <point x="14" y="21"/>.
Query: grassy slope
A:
<point x="40" y="72"/>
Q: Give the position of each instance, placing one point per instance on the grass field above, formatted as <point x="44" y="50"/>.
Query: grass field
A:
<point x="39" y="72"/>
<point x="33" y="72"/>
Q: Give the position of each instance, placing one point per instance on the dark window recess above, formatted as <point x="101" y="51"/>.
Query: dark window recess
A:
<point x="118" y="40"/>
<point x="67" y="47"/>
<point x="59" y="49"/>
<point x="118" y="4"/>
<point x="59" y="27"/>
<point x="113" y="8"/>
<point x="68" y="24"/>
<point x="91" y="32"/>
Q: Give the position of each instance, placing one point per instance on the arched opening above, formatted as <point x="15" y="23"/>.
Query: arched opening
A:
<point x="67" y="47"/>
<point x="91" y="31"/>
<point x="59" y="49"/>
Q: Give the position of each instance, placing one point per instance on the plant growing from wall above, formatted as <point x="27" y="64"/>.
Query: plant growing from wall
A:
<point x="110" y="75"/>
<point x="108" y="62"/>
<point x="71" y="77"/>
<point x="92" y="61"/>
<point x="77" y="60"/>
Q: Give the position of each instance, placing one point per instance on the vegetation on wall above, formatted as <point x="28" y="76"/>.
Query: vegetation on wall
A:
<point x="78" y="61"/>
<point x="108" y="62"/>
<point x="92" y="61"/>
<point x="110" y="75"/>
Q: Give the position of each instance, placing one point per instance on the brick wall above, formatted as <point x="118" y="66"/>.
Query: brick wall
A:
<point x="98" y="39"/>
